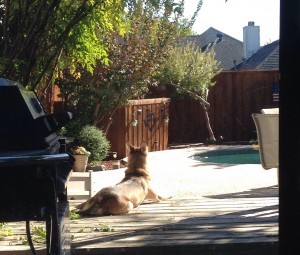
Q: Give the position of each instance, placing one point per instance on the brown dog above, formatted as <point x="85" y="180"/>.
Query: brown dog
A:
<point x="127" y="194"/>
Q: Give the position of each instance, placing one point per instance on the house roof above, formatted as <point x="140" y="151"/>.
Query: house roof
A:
<point x="229" y="51"/>
<point x="266" y="58"/>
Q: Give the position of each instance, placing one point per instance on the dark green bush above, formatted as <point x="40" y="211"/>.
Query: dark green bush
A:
<point x="94" y="140"/>
<point x="72" y="129"/>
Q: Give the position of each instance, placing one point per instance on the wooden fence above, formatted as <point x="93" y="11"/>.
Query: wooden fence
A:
<point x="236" y="95"/>
<point x="233" y="99"/>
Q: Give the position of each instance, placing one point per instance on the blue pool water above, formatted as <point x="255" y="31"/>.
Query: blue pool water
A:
<point x="231" y="155"/>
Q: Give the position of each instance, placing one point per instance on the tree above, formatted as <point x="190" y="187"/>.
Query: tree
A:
<point x="192" y="71"/>
<point x="38" y="36"/>
<point x="151" y="32"/>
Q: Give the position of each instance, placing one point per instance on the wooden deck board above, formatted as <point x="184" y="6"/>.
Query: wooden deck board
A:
<point x="177" y="226"/>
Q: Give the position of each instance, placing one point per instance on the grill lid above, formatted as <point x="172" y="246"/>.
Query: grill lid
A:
<point x="24" y="122"/>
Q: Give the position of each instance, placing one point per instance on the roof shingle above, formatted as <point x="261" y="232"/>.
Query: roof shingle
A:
<point x="230" y="52"/>
<point x="266" y="58"/>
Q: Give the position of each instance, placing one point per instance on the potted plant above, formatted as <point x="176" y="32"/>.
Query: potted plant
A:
<point x="94" y="140"/>
<point x="81" y="156"/>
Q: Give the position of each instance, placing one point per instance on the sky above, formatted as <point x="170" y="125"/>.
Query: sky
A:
<point x="232" y="16"/>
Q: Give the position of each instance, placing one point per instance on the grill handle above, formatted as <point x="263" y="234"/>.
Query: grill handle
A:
<point x="35" y="160"/>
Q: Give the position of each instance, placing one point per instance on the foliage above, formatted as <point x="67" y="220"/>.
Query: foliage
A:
<point x="81" y="230"/>
<point x="105" y="228"/>
<point x="100" y="52"/>
<point x="190" y="69"/>
<point x="152" y="29"/>
<point x="38" y="235"/>
<point x="74" y="215"/>
<point x="4" y="230"/>
<point x="72" y="128"/>
<point x="94" y="140"/>
<point x="37" y="37"/>
<point x="80" y="150"/>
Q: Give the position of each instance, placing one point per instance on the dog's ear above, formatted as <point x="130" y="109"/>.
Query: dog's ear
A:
<point x="129" y="147"/>
<point x="144" y="147"/>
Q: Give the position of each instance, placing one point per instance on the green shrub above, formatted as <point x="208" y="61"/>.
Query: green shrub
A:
<point x="94" y="140"/>
<point x="71" y="129"/>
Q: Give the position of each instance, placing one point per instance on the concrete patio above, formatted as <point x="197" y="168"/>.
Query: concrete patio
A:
<point x="175" y="173"/>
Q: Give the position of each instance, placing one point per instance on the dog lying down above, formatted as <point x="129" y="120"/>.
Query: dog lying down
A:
<point x="127" y="194"/>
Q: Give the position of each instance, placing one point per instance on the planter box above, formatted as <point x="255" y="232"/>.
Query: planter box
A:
<point x="80" y="163"/>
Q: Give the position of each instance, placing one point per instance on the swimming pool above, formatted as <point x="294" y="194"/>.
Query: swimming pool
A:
<point x="229" y="155"/>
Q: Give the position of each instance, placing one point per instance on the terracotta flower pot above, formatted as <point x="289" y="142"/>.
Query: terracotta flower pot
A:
<point x="80" y="163"/>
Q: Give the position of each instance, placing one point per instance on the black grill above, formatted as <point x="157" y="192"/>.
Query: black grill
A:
<point x="34" y="165"/>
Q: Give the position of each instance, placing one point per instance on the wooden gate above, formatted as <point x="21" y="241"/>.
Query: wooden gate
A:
<point x="143" y="120"/>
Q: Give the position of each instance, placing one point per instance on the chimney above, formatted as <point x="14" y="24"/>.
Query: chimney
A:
<point x="251" y="39"/>
<point x="220" y="37"/>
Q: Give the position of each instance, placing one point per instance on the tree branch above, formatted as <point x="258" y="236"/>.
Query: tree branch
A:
<point x="205" y="104"/>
